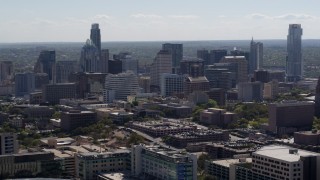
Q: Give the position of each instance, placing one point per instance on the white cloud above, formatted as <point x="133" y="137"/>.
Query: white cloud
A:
<point x="148" y="16"/>
<point x="289" y="16"/>
<point x="102" y="16"/>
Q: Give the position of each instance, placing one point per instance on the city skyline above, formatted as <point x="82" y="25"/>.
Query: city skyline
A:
<point x="38" y="21"/>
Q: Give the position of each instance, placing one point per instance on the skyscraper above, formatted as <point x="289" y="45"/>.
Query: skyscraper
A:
<point x="294" y="66"/>
<point x="176" y="51"/>
<point x="256" y="56"/>
<point x="162" y="64"/>
<point x="24" y="84"/>
<point x="46" y="64"/>
<point x="6" y="71"/>
<point x="95" y="36"/>
<point x="90" y="56"/>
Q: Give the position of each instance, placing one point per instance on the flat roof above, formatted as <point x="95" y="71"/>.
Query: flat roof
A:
<point x="282" y="153"/>
<point x="228" y="162"/>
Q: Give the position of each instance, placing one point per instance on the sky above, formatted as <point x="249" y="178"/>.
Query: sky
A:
<point x="154" y="20"/>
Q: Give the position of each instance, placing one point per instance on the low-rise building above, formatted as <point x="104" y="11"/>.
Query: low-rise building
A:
<point x="307" y="138"/>
<point x="74" y="119"/>
<point x="217" y="117"/>
<point x="159" y="163"/>
<point x="230" y="149"/>
<point x="8" y="143"/>
<point x="174" y="110"/>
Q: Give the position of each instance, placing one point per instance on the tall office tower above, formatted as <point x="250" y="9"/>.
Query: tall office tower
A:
<point x="144" y="83"/>
<point x="176" y="51"/>
<point x="317" y="100"/>
<point x="24" y="84"/>
<point x="222" y="75"/>
<point x="172" y="84"/>
<point x="128" y="62"/>
<point x="256" y="56"/>
<point x="104" y="61"/>
<point x="242" y="71"/>
<point x="115" y="66"/>
<point x="294" y="68"/>
<point x="95" y="36"/>
<point x="162" y="64"/>
<point x="6" y="71"/>
<point x="8" y="143"/>
<point x="41" y="79"/>
<point x="250" y="91"/>
<point x="119" y="86"/>
<point x="194" y="67"/>
<point x="90" y="57"/>
<point x="64" y="69"/>
<point x="217" y="55"/>
<point x="46" y="64"/>
<point x="204" y="55"/>
<point x="290" y="116"/>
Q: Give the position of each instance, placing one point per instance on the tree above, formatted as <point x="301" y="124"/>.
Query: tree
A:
<point x="135" y="139"/>
<point x="201" y="161"/>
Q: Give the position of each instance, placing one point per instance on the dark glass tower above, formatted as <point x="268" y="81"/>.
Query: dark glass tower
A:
<point x="95" y="36"/>
<point x="294" y="66"/>
<point x="176" y="51"/>
<point x="46" y="64"/>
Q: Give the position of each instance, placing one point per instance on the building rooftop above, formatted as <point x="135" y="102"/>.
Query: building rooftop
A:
<point x="228" y="162"/>
<point x="282" y="153"/>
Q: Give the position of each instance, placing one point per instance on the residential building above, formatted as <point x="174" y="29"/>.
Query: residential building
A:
<point x="160" y="163"/>
<point x="294" y="65"/>
<point x="256" y="56"/>
<point x="8" y="143"/>
<point x="120" y="86"/>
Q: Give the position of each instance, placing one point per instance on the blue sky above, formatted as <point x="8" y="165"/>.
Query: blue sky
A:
<point x="147" y="20"/>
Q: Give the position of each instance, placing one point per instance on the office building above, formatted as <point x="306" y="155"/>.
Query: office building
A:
<point x="237" y="52"/>
<point x="171" y="84"/>
<point x="6" y="72"/>
<point x="204" y="55"/>
<point x="176" y="51"/>
<point x="128" y="62"/>
<point x="95" y="36"/>
<point x="250" y="91"/>
<point x="218" y="94"/>
<point x="24" y="84"/>
<point x="311" y="138"/>
<point x="8" y="143"/>
<point x="88" y="84"/>
<point x="104" y="61"/>
<point x="242" y="65"/>
<point x="120" y="86"/>
<point x="294" y="67"/>
<point x="193" y="67"/>
<point x="90" y="165"/>
<point x="74" y="119"/>
<point x="64" y="69"/>
<point x="290" y="116"/>
<point x="261" y="75"/>
<point x="160" y="163"/>
<point x="193" y="84"/>
<point x="271" y="89"/>
<point x="90" y="56"/>
<point x="231" y="149"/>
<point x="217" y="117"/>
<point x="256" y="56"/>
<point x="216" y="55"/>
<point x="46" y="64"/>
<point x="41" y="79"/>
<point x="277" y="75"/>
<point x="162" y="64"/>
<point x="144" y="83"/>
<point x="317" y="100"/>
<point x="222" y="75"/>
<point x="115" y="66"/>
<point x="281" y="162"/>
<point x="52" y="93"/>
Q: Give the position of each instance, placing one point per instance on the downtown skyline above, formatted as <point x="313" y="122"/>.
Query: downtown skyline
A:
<point x="143" y="20"/>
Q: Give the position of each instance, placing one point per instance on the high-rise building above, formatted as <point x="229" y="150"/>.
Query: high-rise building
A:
<point x="290" y="116"/>
<point x="128" y="62"/>
<point x="8" y="143"/>
<point x="144" y="83"/>
<point x="216" y="55"/>
<point x="162" y="64"/>
<point x="120" y="86"/>
<point x="115" y="66"/>
<point x="41" y="79"/>
<point x="294" y="67"/>
<point x="104" y="61"/>
<point x="95" y="36"/>
<point x="256" y="56"/>
<point x="171" y="84"/>
<point x="52" y="93"/>
<point x="24" y="83"/>
<point x="6" y="71"/>
<point x="250" y="91"/>
<point x="204" y="55"/>
<point x="64" y="69"/>
<point x="176" y="51"/>
<point x="193" y="67"/>
<point x="222" y="75"/>
<point x="317" y="100"/>
<point x="242" y="64"/>
<point x="46" y="64"/>
<point x="270" y="89"/>
<point x="90" y="56"/>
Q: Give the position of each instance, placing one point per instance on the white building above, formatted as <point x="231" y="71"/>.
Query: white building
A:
<point x="119" y="86"/>
<point x="171" y="84"/>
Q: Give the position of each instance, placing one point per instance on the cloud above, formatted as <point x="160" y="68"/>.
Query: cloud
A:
<point x="290" y="16"/>
<point x="148" y="16"/>
<point x="102" y="16"/>
<point x="184" y="16"/>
